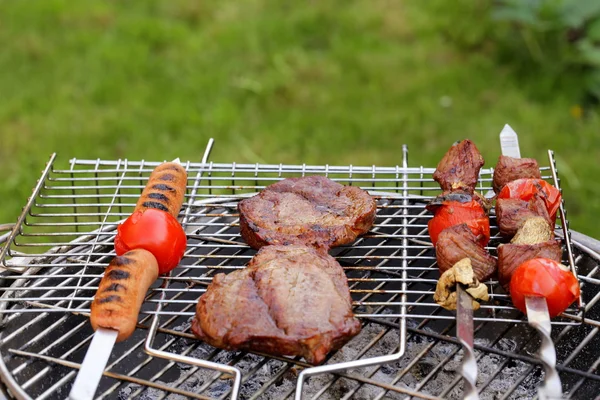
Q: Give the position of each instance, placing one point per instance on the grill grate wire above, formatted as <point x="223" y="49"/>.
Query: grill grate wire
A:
<point x="62" y="242"/>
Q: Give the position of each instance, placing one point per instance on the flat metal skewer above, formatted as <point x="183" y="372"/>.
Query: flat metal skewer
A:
<point x="464" y="332"/>
<point x="93" y="364"/>
<point x="537" y="308"/>
<point x="95" y="361"/>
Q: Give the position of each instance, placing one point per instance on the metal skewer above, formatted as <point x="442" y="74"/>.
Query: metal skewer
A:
<point x="537" y="308"/>
<point x="95" y="361"/>
<point x="464" y="332"/>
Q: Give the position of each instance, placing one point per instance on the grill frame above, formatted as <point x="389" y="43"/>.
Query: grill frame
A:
<point x="403" y="200"/>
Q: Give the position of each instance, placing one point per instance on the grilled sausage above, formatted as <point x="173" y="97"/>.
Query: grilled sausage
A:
<point x="122" y="290"/>
<point x="165" y="189"/>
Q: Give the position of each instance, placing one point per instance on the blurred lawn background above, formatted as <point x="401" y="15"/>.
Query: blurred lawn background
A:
<point x="318" y="82"/>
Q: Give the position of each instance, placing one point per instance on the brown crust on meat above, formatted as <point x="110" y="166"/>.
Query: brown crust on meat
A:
<point x="511" y="214"/>
<point x="509" y="169"/>
<point x="122" y="290"/>
<point x="458" y="242"/>
<point x="290" y="300"/>
<point x="312" y="210"/>
<point x="165" y="189"/>
<point x="459" y="168"/>
<point x="511" y="255"/>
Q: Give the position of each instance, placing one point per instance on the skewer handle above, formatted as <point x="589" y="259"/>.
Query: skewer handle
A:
<point x="93" y="364"/>
<point x="539" y="318"/>
<point x="537" y="308"/>
<point x="464" y="330"/>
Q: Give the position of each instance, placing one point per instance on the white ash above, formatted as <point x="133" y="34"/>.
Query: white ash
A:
<point x="152" y="393"/>
<point x="183" y="327"/>
<point x="387" y="344"/>
<point x="284" y="385"/>
<point x="127" y="390"/>
<point x="191" y="384"/>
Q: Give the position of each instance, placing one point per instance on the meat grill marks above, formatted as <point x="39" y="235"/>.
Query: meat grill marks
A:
<point x="509" y="169"/>
<point x="458" y="242"/>
<point x="459" y="168"/>
<point x="310" y="210"/>
<point x="165" y="189"/>
<point x="293" y="297"/>
<point x="290" y="300"/>
<point x="121" y="292"/>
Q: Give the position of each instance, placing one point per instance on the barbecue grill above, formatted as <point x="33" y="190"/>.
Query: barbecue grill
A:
<point x="54" y="256"/>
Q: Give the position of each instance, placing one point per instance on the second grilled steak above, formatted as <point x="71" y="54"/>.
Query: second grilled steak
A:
<point x="290" y="300"/>
<point x="312" y="210"/>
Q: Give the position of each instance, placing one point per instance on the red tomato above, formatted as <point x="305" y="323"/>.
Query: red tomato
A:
<point x="156" y="231"/>
<point x="452" y="213"/>
<point x="545" y="278"/>
<point x="524" y="189"/>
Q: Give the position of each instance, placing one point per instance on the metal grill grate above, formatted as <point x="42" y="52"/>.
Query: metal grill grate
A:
<point x="63" y="241"/>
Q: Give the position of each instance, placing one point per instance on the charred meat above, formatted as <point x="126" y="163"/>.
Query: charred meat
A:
<point x="458" y="242"/>
<point x="312" y="210"/>
<point x="511" y="214"/>
<point x="511" y="255"/>
<point x="459" y="168"/>
<point x="509" y="169"/>
<point x="290" y="300"/>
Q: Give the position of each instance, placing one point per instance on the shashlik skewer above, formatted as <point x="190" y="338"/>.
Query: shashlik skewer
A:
<point x="459" y="231"/>
<point x="150" y="242"/>
<point x="529" y="267"/>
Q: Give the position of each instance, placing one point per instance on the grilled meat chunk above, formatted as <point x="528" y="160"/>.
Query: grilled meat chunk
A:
<point x="459" y="168"/>
<point x="290" y="300"/>
<point x="511" y="214"/>
<point x="509" y="169"/>
<point x="311" y="210"/>
<point x="511" y="255"/>
<point x="458" y="242"/>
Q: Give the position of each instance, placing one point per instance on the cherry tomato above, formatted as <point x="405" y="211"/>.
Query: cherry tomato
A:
<point x="156" y="231"/>
<point x="451" y="213"/>
<point x="545" y="278"/>
<point x="524" y="189"/>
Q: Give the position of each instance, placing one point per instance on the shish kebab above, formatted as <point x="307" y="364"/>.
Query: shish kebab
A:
<point x="459" y="230"/>
<point x="149" y="243"/>
<point x="529" y="266"/>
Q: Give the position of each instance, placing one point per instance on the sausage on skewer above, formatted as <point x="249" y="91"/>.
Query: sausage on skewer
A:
<point x="165" y="189"/>
<point x="150" y="242"/>
<point x="122" y="290"/>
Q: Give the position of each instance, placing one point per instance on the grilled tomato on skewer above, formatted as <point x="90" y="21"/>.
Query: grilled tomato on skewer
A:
<point x="544" y="278"/>
<point x="156" y="231"/>
<point x="526" y="189"/>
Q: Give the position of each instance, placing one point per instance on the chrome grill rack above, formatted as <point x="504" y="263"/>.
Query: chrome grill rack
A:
<point x="56" y="253"/>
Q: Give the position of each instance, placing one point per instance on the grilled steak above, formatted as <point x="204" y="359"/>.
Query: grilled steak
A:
<point x="290" y="300"/>
<point x="311" y="210"/>
<point x="511" y="214"/>
<point x="459" y="168"/>
<point x="510" y="256"/>
<point x="509" y="169"/>
<point x="458" y="242"/>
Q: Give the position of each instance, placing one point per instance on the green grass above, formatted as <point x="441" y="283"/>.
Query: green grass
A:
<point x="333" y="82"/>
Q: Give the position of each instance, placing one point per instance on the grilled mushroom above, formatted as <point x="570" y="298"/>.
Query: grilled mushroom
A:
<point x="461" y="272"/>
